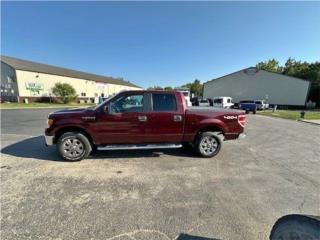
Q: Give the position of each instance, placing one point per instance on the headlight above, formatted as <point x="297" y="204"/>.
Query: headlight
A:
<point x="49" y="122"/>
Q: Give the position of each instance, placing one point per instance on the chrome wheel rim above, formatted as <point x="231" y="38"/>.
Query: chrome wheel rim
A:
<point x="208" y="145"/>
<point x="72" y="147"/>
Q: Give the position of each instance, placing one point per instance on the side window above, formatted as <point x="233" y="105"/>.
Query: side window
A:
<point x="229" y="100"/>
<point x="164" y="102"/>
<point x="127" y="103"/>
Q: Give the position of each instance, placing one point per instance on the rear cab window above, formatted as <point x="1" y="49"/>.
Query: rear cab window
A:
<point x="164" y="102"/>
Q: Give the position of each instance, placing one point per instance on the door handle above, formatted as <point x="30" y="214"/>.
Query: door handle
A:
<point x="142" y="118"/>
<point x="177" y="118"/>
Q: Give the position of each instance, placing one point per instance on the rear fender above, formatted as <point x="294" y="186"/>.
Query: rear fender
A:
<point x="206" y="123"/>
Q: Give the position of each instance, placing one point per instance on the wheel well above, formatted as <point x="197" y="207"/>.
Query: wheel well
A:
<point x="71" y="129"/>
<point x="209" y="129"/>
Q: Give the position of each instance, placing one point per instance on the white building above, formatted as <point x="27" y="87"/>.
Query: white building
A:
<point x="21" y="79"/>
<point x="254" y="84"/>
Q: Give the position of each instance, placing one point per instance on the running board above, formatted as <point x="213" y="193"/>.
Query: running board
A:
<point x="138" y="146"/>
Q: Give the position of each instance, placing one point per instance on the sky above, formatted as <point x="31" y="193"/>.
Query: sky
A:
<point x="160" y="43"/>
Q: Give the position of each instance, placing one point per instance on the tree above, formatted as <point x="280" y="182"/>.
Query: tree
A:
<point x="168" y="88"/>
<point x="65" y="91"/>
<point x="304" y="70"/>
<point x="195" y="87"/>
<point x="271" y="65"/>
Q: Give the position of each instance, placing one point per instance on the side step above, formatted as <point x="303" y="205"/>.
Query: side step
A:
<point x="137" y="146"/>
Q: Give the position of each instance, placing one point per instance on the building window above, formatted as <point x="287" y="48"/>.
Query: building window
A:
<point x="10" y="79"/>
<point x="83" y="94"/>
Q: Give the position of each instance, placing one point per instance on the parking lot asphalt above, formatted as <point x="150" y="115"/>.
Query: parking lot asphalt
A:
<point x="162" y="194"/>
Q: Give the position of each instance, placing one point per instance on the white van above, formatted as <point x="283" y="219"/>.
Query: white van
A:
<point x="186" y="94"/>
<point x="223" y="102"/>
<point x="261" y="104"/>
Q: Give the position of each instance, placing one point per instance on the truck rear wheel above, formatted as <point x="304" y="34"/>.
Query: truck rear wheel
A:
<point x="208" y="144"/>
<point x="73" y="146"/>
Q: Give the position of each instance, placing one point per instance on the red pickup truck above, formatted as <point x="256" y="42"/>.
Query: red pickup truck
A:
<point x="142" y="120"/>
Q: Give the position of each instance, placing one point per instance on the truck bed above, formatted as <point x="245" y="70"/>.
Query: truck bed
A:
<point x="213" y="109"/>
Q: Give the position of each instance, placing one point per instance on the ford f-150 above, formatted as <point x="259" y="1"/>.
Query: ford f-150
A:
<point x="142" y="120"/>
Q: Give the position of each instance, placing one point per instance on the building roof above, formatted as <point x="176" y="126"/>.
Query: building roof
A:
<point x="25" y="65"/>
<point x="256" y="70"/>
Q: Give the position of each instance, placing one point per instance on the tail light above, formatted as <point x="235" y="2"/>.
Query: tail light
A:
<point x="242" y="120"/>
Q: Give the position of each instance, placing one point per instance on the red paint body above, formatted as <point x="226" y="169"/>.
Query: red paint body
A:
<point x="160" y="127"/>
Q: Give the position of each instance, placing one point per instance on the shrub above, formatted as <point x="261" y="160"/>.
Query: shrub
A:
<point x="65" y="91"/>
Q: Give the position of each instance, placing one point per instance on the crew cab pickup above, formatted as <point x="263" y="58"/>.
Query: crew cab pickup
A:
<point x="142" y="120"/>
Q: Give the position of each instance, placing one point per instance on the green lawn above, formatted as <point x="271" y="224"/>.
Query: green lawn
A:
<point x="291" y="114"/>
<point x="42" y="105"/>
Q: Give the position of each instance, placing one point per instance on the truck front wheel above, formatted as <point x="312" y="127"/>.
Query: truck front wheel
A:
<point x="73" y="146"/>
<point x="208" y="144"/>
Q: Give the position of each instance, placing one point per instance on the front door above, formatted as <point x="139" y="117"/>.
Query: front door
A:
<point x="124" y="121"/>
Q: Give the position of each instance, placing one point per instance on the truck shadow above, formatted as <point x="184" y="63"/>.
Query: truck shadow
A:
<point x="35" y="148"/>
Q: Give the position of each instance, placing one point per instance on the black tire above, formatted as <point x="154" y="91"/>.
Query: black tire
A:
<point x="296" y="227"/>
<point x="81" y="143"/>
<point x="254" y="111"/>
<point x="214" y="146"/>
<point x="247" y="111"/>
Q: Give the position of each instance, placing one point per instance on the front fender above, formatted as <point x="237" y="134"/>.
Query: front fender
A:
<point x="66" y="123"/>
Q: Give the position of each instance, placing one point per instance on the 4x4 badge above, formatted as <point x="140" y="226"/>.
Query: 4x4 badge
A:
<point x="230" y="117"/>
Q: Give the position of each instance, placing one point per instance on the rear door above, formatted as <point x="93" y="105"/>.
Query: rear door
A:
<point x="165" y="118"/>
